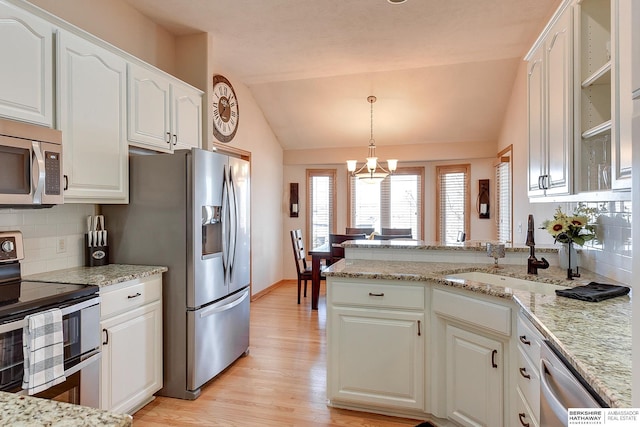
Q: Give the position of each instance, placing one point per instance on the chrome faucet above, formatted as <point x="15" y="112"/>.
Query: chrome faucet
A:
<point x="532" y="263"/>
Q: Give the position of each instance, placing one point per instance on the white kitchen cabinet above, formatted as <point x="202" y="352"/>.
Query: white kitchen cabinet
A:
<point x="550" y="97"/>
<point x="164" y="115"/>
<point x="26" y="86"/>
<point x="131" y="365"/>
<point x="470" y="358"/>
<point x="475" y="376"/>
<point x="376" y="345"/>
<point x="527" y="383"/>
<point x="92" y="118"/>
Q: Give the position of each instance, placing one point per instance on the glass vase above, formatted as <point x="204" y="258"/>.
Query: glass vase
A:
<point x="563" y="256"/>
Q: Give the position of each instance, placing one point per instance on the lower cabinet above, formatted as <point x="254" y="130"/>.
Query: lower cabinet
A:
<point x="131" y="322"/>
<point x="474" y="378"/>
<point x="376" y="350"/>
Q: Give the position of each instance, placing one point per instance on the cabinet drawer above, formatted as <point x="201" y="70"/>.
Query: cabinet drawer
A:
<point x="378" y="295"/>
<point x="488" y="315"/>
<point x="130" y="295"/>
<point x="529" y="339"/>
<point x="523" y="416"/>
<point x="530" y="387"/>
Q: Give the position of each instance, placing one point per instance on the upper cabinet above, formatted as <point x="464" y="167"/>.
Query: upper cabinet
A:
<point x="549" y="87"/>
<point x="26" y="86"/>
<point x="163" y="114"/>
<point x="92" y="115"/>
<point x="579" y="118"/>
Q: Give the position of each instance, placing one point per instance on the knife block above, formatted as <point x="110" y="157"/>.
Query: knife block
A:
<point x="95" y="255"/>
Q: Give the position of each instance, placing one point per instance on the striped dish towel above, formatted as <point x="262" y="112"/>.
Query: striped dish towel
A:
<point x="43" y="345"/>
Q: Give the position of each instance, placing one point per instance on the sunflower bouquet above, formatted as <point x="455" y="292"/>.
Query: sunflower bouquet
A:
<point x="575" y="228"/>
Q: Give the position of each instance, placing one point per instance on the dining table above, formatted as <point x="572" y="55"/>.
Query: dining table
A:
<point x="317" y="255"/>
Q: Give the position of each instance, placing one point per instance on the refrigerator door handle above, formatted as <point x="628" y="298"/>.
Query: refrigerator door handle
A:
<point x="233" y="232"/>
<point x="225" y="216"/>
<point x="209" y="311"/>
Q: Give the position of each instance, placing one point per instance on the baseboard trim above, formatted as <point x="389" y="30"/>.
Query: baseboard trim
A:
<point x="271" y="288"/>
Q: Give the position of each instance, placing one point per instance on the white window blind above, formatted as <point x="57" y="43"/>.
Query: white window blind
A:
<point x="321" y="205"/>
<point x="503" y="199"/>
<point x="395" y="202"/>
<point x="453" y="202"/>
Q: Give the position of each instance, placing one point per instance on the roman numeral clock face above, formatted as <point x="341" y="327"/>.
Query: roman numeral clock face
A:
<point x="225" y="110"/>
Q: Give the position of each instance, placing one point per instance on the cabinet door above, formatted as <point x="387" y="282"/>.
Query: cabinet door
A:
<point x="26" y="86"/>
<point x="131" y="358"/>
<point x="474" y="378"/>
<point x="187" y="118"/>
<point x="92" y="96"/>
<point x="536" y="112"/>
<point x="559" y="90"/>
<point x="622" y="142"/>
<point x="377" y="358"/>
<point x="148" y="107"/>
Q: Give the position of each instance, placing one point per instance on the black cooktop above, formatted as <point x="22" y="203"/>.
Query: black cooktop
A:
<point x="19" y="298"/>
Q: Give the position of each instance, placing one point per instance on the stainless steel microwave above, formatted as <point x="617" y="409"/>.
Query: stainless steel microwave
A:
<point x="30" y="165"/>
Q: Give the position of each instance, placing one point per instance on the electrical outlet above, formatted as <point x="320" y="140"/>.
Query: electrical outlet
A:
<point x="62" y="245"/>
<point x="519" y="227"/>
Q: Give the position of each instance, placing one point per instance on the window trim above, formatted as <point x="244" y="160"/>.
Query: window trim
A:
<point x="459" y="168"/>
<point x="331" y="173"/>
<point x="410" y="170"/>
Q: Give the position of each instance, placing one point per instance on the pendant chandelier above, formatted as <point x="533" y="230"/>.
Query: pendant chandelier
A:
<point x="371" y="171"/>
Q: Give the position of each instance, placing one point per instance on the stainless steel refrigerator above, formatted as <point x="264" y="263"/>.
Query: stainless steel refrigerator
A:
<point x="190" y="212"/>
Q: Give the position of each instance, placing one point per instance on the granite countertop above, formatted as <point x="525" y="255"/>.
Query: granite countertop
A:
<point x="594" y="337"/>
<point x="22" y="411"/>
<point x="105" y="275"/>
<point x="469" y="245"/>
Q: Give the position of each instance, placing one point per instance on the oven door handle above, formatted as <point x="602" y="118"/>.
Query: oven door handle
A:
<point x="83" y="364"/>
<point x="20" y="323"/>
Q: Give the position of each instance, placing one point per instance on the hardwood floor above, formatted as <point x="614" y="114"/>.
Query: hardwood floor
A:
<point x="282" y="382"/>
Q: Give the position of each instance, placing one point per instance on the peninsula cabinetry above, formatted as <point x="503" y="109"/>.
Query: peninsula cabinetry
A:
<point x="26" y="86"/>
<point x="471" y="343"/>
<point x="376" y="344"/>
<point x="131" y="322"/>
<point x="527" y="405"/>
<point x="164" y="115"/>
<point x="92" y="114"/>
<point x="550" y="97"/>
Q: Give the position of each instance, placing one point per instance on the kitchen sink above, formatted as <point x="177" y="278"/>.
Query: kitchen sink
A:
<point x="506" y="282"/>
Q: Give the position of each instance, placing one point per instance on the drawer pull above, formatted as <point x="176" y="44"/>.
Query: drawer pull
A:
<point x="106" y="334"/>
<point x="494" y="353"/>
<point x="419" y="333"/>
<point x="523" y="372"/>
<point x="372" y="294"/>
<point x="137" y="294"/>
<point x="522" y="417"/>
<point x="524" y="340"/>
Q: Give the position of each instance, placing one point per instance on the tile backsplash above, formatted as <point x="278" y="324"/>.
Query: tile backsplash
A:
<point x="609" y="254"/>
<point x="53" y="237"/>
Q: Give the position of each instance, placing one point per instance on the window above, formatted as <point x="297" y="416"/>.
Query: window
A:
<point x="503" y="195"/>
<point x="321" y="205"/>
<point x="452" y="200"/>
<point x="395" y="202"/>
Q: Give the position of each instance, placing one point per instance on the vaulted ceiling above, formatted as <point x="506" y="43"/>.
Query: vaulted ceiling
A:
<point x="442" y="70"/>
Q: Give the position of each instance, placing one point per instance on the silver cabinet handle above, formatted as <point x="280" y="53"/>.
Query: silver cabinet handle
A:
<point x="136" y="295"/>
<point x="372" y="294"/>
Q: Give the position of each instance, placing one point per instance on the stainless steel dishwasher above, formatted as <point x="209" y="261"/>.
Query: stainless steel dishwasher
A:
<point x="560" y="390"/>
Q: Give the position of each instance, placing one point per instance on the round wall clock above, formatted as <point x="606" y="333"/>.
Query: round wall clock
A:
<point x="225" y="109"/>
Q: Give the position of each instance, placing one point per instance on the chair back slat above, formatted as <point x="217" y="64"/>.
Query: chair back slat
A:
<point x="298" y="250"/>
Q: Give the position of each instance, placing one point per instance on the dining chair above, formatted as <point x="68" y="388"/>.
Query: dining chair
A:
<point x="337" y="251"/>
<point x="395" y="231"/>
<point x="303" y="270"/>
<point x="359" y="230"/>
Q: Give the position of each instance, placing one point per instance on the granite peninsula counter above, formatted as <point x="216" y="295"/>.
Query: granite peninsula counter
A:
<point x="594" y="337"/>
<point x="17" y="410"/>
<point x="101" y="276"/>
